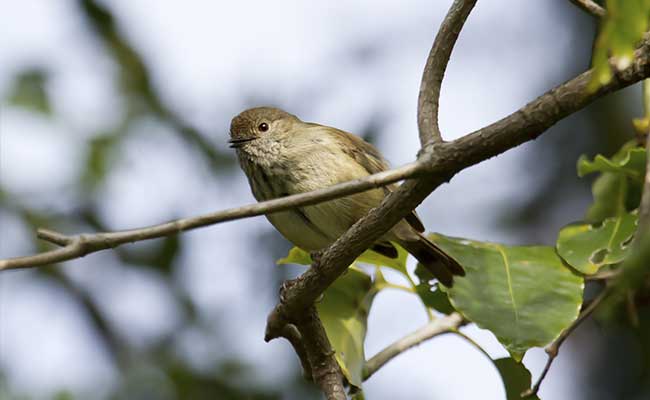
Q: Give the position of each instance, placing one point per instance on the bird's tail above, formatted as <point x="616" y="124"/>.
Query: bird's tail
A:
<point x="436" y="261"/>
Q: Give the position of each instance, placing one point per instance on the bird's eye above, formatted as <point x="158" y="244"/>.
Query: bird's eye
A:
<point x="263" y="127"/>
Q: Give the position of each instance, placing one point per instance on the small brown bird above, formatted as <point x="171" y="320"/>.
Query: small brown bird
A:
<point x="282" y="155"/>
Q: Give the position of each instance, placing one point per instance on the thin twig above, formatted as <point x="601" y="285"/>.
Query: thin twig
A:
<point x="474" y="344"/>
<point x="434" y="71"/>
<point x="591" y="7"/>
<point x="76" y="246"/>
<point x="553" y="349"/>
<point x="448" y="323"/>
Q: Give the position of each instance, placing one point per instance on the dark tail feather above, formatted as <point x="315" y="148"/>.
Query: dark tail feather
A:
<point x="439" y="263"/>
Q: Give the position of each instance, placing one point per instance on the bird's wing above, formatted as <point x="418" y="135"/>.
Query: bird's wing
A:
<point x="369" y="157"/>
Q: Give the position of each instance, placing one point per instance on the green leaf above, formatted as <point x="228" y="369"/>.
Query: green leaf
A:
<point x="588" y="247"/>
<point x="99" y="155"/>
<point x="296" y="256"/>
<point x="629" y="161"/>
<point x="344" y="312"/>
<point x="525" y="295"/>
<point x="618" y="188"/>
<point x="28" y="91"/>
<point x="621" y="29"/>
<point x="610" y="192"/>
<point x="432" y="296"/>
<point x="516" y="378"/>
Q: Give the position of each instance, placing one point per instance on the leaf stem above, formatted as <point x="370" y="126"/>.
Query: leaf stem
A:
<point x="553" y="349"/>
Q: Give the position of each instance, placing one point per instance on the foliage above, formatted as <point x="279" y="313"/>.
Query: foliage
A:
<point x="525" y="295"/>
<point x="621" y="29"/>
<point x="516" y="378"/>
<point x="29" y="91"/>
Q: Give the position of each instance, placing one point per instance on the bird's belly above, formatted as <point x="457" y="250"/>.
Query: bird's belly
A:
<point x="317" y="226"/>
<point x="299" y="230"/>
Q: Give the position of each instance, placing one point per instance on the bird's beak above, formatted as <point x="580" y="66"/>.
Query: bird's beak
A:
<point x="234" y="143"/>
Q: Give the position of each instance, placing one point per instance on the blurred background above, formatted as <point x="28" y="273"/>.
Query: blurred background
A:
<point x="115" y="114"/>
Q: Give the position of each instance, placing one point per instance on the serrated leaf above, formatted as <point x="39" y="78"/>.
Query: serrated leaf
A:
<point x="516" y="378"/>
<point x="344" y="312"/>
<point x="28" y="91"/>
<point x="432" y="296"/>
<point x="588" y="247"/>
<point x="525" y="295"/>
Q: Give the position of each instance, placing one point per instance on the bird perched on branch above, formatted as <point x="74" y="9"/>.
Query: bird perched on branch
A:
<point x="282" y="155"/>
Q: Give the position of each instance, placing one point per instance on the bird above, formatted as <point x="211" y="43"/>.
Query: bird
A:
<point x="282" y="155"/>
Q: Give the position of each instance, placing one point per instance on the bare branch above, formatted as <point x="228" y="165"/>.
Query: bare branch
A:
<point x="292" y="334"/>
<point x="324" y="367"/>
<point x="553" y="349"/>
<point x="77" y="246"/>
<point x="434" y="71"/>
<point x="591" y="7"/>
<point x="439" y="326"/>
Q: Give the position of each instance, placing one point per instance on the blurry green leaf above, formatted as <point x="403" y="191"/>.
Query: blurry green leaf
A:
<point x="628" y="161"/>
<point x="432" y="296"/>
<point x="618" y="188"/>
<point x="525" y="295"/>
<point x="621" y="29"/>
<point x="296" y="256"/>
<point x="588" y="247"/>
<point x="99" y="155"/>
<point x="159" y="255"/>
<point x="358" y="396"/>
<point x="516" y="378"/>
<point x="64" y="395"/>
<point x="28" y="91"/>
<point x="344" y="313"/>
<point x="609" y="191"/>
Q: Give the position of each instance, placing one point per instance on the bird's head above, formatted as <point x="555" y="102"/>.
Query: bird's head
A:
<point x="259" y="122"/>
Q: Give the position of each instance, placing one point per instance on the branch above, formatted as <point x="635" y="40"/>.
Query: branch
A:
<point x="591" y="7"/>
<point x="553" y="349"/>
<point x="434" y="71"/>
<point x="292" y="334"/>
<point x="439" y="326"/>
<point x="77" y="246"/>
<point x="325" y="369"/>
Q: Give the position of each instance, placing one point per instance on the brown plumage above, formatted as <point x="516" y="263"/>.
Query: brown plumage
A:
<point x="281" y="155"/>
